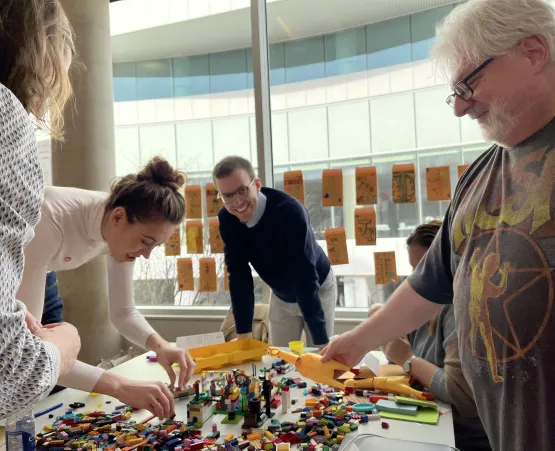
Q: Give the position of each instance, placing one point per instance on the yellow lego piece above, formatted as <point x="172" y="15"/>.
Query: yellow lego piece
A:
<point x="228" y="437"/>
<point x="134" y="441"/>
<point x="253" y="437"/>
<point x="47" y="428"/>
<point x="269" y="435"/>
<point x="94" y="394"/>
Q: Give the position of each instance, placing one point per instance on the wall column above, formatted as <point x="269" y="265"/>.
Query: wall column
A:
<point x="87" y="160"/>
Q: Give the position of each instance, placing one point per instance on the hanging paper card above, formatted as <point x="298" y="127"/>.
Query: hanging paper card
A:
<point x="337" y="246"/>
<point x="185" y="279"/>
<point x="386" y="268"/>
<point x="193" y="199"/>
<point x="365" y="226"/>
<point x="293" y="185"/>
<point x="332" y="188"/>
<point x="461" y="168"/>
<point x="226" y="278"/>
<point x="404" y="187"/>
<point x="195" y="242"/>
<point x="208" y="279"/>
<point x="173" y="245"/>
<point x="216" y="243"/>
<point x="438" y="183"/>
<point x="366" y="186"/>
<point x="213" y="202"/>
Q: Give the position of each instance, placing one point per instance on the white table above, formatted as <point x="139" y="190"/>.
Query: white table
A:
<point x="139" y="368"/>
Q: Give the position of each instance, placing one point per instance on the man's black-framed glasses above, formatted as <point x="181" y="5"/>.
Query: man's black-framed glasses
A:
<point x="462" y="89"/>
<point x="241" y="193"/>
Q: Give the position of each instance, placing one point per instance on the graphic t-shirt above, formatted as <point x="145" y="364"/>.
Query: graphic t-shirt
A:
<point x="494" y="259"/>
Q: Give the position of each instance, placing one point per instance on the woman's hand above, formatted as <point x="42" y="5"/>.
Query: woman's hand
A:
<point x="33" y="324"/>
<point x="150" y="395"/>
<point x="167" y="356"/>
<point x="398" y="351"/>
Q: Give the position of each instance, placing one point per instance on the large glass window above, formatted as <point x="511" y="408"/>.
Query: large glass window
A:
<point x="342" y="98"/>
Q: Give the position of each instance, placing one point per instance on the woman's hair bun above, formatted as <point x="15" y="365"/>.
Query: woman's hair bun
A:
<point x="160" y="171"/>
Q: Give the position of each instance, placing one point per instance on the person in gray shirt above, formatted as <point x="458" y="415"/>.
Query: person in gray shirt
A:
<point x="494" y="257"/>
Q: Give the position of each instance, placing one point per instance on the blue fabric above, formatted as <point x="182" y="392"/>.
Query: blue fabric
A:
<point x="283" y="251"/>
<point x="260" y="208"/>
<point x="53" y="304"/>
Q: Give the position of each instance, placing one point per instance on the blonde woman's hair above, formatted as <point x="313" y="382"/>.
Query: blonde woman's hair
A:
<point x="480" y="29"/>
<point x="35" y="40"/>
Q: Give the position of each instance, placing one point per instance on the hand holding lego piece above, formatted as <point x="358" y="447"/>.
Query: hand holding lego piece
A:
<point x="311" y="366"/>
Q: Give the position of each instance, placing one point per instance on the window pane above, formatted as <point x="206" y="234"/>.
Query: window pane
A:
<point x="308" y="134"/>
<point x="194" y="146"/>
<point x="470" y="130"/>
<point x="436" y="125"/>
<point x="304" y="59"/>
<point x="422" y="30"/>
<point x="154" y="79"/>
<point x="349" y="129"/>
<point x="345" y="52"/>
<point x="392" y="123"/>
<point x="157" y="140"/>
<point x="228" y="71"/>
<point x="231" y="137"/>
<point x="125" y="82"/>
<point x="388" y="43"/>
<point x="191" y="76"/>
<point x="128" y="158"/>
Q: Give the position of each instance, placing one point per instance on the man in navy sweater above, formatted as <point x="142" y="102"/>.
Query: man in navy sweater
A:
<point x="271" y="230"/>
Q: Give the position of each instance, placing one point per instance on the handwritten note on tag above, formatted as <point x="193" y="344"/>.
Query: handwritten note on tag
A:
<point x="226" y="278"/>
<point x="293" y="185"/>
<point x="438" y="183"/>
<point x="336" y="241"/>
<point x="404" y="186"/>
<point x="173" y="245"/>
<point x="193" y="199"/>
<point x="386" y="268"/>
<point x="195" y="241"/>
<point x="366" y="186"/>
<point x="208" y="279"/>
<point x="365" y="226"/>
<point x="461" y="168"/>
<point x="216" y="242"/>
<point x="197" y="341"/>
<point x="332" y="188"/>
<point x="213" y="203"/>
<point x="185" y="279"/>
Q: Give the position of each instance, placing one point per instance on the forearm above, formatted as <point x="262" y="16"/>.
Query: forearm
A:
<point x="155" y="342"/>
<point x="242" y="303"/>
<point x="82" y="377"/>
<point x="132" y="325"/>
<point x="431" y="377"/>
<point x="404" y="312"/>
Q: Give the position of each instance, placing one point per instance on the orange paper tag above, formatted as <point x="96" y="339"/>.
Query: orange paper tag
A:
<point x="213" y="203"/>
<point x="404" y="187"/>
<point x="195" y="242"/>
<point x="216" y="243"/>
<point x="208" y="279"/>
<point x="386" y="268"/>
<point x="185" y="279"/>
<point x="193" y="199"/>
<point x="366" y="186"/>
<point x="461" y="168"/>
<point x="438" y="183"/>
<point x="226" y="278"/>
<point x="365" y="226"/>
<point x="293" y="185"/>
<point x="332" y="188"/>
<point x="173" y="245"/>
<point x="337" y="246"/>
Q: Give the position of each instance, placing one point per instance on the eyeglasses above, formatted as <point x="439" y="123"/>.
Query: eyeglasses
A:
<point x="241" y="193"/>
<point x="462" y="89"/>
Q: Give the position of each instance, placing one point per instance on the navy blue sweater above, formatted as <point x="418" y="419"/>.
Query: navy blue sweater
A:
<point x="283" y="251"/>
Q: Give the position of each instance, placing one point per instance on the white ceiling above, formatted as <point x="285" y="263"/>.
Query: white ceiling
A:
<point x="287" y="20"/>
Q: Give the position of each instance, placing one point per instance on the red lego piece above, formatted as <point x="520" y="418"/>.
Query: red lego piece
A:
<point x="385" y="425"/>
<point x="276" y="402"/>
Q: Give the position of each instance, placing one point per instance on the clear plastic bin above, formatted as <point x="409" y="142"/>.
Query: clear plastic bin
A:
<point x="369" y="442"/>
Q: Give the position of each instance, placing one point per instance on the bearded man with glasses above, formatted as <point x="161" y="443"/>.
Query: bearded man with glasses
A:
<point x="271" y="231"/>
<point x="494" y="256"/>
